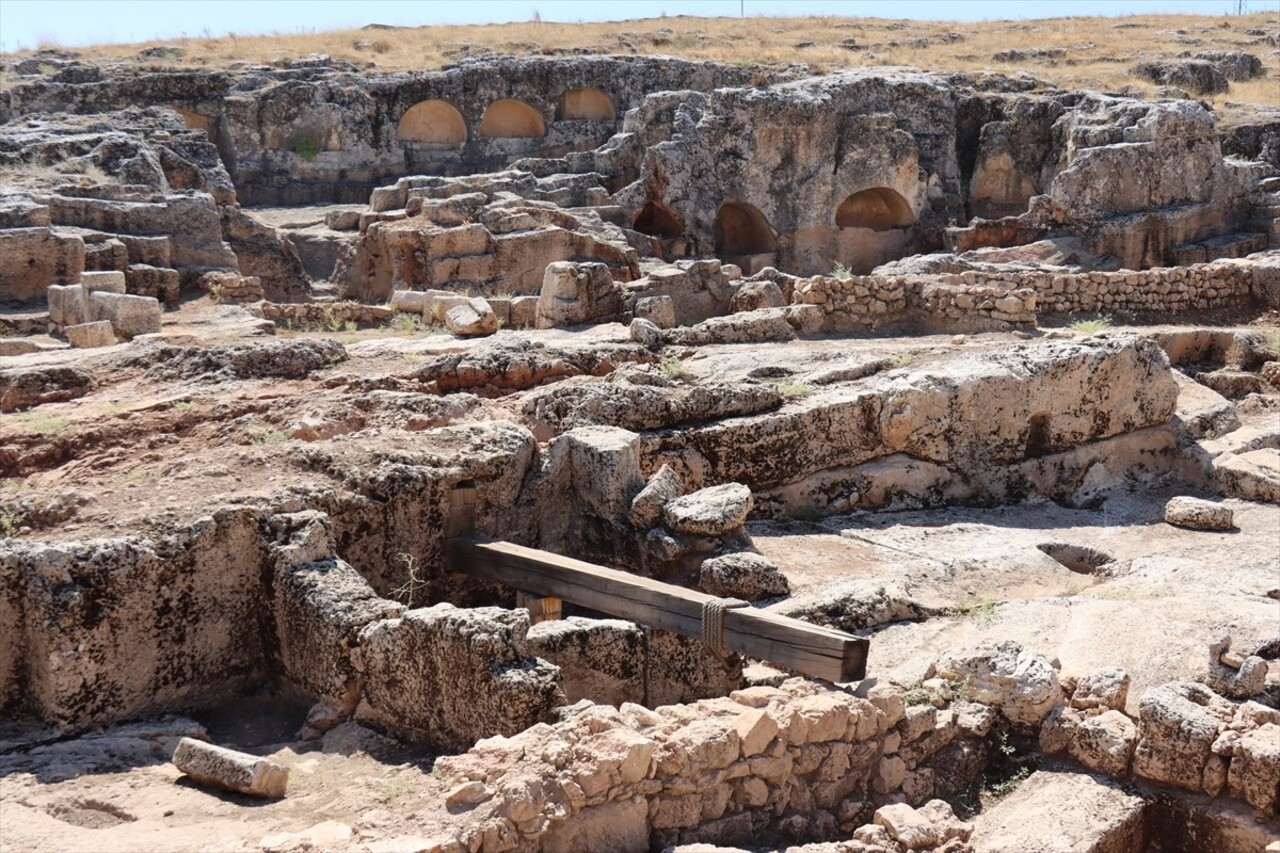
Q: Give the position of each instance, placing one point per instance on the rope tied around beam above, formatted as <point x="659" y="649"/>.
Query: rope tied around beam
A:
<point x="713" y="620"/>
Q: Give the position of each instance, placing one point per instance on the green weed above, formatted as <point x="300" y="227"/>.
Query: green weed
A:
<point x="269" y="436"/>
<point x="305" y="147"/>
<point x="407" y="324"/>
<point x="1092" y="325"/>
<point x="841" y="271"/>
<point x="10" y="523"/>
<point x="674" y="368"/>
<point x="794" y="390"/>
<point x="50" y="426"/>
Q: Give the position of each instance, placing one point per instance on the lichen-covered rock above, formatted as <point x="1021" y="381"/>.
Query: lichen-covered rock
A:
<point x="709" y="512"/>
<point x="1198" y="514"/>
<point x="130" y="315"/>
<point x="1254" y="772"/>
<point x="521" y="364"/>
<point x="1252" y="476"/>
<point x="1178" y="724"/>
<point x="230" y="770"/>
<point x="854" y="605"/>
<point x="603" y="660"/>
<point x="753" y="295"/>
<point x="474" y="318"/>
<point x="646" y="507"/>
<point x="631" y="403"/>
<point x="1107" y="687"/>
<point x="1021" y="683"/>
<point x="24" y="387"/>
<point x="577" y="293"/>
<point x="1195" y="76"/>
<point x="659" y="310"/>
<point x="1104" y="743"/>
<point x="90" y="335"/>
<point x="320" y="604"/>
<point x="745" y="575"/>
<point x="288" y="359"/>
<point x="1235" y="65"/>
<point x="447" y="677"/>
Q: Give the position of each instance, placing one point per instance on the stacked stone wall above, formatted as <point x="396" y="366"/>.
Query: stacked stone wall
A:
<point x="983" y="300"/>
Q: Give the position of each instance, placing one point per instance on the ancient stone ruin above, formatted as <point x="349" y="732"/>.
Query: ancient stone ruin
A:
<point x="622" y="452"/>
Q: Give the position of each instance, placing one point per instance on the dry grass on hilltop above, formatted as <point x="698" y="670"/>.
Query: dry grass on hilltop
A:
<point x="1099" y="51"/>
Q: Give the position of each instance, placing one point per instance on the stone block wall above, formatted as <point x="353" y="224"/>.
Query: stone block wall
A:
<point x="802" y="760"/>
<point x="977" y="300"/>
<point x="317" y="315"/>
<point x="1172" y="289"/>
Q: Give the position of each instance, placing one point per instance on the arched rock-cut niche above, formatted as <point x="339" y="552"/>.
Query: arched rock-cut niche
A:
<point x="741" y="229"/>
<point x="508" y="117"/>
<point x="433" y="122"/>
<point x="657" y="220"/>
<point x="590" y="104"/>
<point x="879" y="208"/>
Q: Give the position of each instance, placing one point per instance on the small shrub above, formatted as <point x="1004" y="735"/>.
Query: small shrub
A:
<point x="10" y="523"/>
<point x="184" y="406"/>
<point x="269" y="436"/>
<point x="1003" y="787"/>
<point x="1092" y="325"/>
<point x="917" y="694"/>
<point x="50" y="426"/>
<point x="330" y="319"/>
<point x="674" y="368"/>
<point x="901" y="359"/>
<point x="982" y="611"/>
<point x="416" y="582"/>
<point x="841" y="271"/>
<point x="406" y="323"/>
<point x="1271" y="338"/>
<point x="305" y="147"/>
<point x="794" y="390"/>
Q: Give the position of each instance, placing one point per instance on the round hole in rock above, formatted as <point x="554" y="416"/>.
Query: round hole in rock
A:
<point x="878" y="208"/>
<point x="1080" y="559"/>
<point x="433" y="122"/>
<point x="510" y="118"/>
<point x="588" y="104"/>
<point x="741" y="229"/>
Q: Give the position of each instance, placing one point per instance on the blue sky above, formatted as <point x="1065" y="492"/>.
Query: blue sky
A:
<point x="24" y="23"/>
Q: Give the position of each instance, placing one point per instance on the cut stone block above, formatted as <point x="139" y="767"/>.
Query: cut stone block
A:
<point x="68" y="304"/>
<point x="1198" y="514"/>
<point x="89" y="335"/>
<point x="230" y="770"/>
<point x="103" y="281"/>
<point x="129" y="315"/>
<point x="161" y="282"/>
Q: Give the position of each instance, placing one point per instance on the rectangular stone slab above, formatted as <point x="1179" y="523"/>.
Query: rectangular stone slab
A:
<point x="229" y="770"/>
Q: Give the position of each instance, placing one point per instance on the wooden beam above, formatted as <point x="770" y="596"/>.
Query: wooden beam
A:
<point x="799" y="646"/>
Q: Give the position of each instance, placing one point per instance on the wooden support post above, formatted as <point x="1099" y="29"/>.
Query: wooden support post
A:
<point x="462" y="510"/>
<point x="541" y="608"/>
<point x="790" y="643"/>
